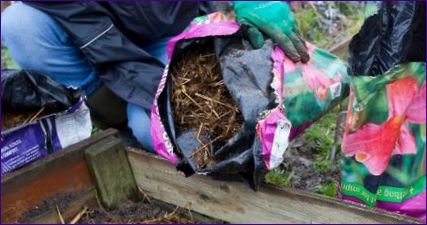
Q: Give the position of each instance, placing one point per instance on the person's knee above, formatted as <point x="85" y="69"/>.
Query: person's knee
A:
<point x="16" y="21"/>
<point x="25" y="32"/>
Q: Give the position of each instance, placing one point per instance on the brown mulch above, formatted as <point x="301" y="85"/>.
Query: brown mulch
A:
<point x="14" y="119"/>
<point x="201" y="101"/>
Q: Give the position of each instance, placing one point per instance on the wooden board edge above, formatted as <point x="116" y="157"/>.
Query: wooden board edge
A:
<point x="357" y="208"/>
<point x="372" y="215"/>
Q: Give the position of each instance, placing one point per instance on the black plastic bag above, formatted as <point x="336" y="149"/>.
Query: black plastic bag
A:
<point x="247" y="74"/>
<point x="396" y="34"/>
<point x="28" y="90"/>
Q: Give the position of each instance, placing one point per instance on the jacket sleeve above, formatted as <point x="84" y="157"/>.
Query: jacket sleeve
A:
<point x="129" y="71"/>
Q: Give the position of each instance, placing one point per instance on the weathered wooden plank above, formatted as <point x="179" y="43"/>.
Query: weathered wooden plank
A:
<point x="236" y="203"/>
<point x="186" y="211"/>
<point x="63" y="172"/>
<point x="111" y="171"/>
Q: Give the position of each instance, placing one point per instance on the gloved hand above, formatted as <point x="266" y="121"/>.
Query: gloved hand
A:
<point x="274" y="19"/>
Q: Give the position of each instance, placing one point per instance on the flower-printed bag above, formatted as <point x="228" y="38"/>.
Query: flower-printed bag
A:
<point x="384" y="141"/>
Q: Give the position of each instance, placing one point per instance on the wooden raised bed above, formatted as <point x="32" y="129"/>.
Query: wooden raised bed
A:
<point x="63" y="173"/>
<point x="84" y="181"/>
<point x="93" y="172"/>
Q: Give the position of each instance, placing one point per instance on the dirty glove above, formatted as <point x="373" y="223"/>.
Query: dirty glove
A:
<point x="274" y="19"/>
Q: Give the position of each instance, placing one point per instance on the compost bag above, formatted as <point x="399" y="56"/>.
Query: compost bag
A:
<point x="58" y="117"/>
<point x="385" y="131"/>
<point x="261" y="84"/>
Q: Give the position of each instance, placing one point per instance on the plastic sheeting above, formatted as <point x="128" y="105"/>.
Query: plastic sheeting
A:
<point x="28" y="90"/>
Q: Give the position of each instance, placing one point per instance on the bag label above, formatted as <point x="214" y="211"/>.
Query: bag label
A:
<point x="384" y="193"/>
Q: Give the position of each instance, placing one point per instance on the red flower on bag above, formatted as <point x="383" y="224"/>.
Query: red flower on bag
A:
<point x="316" y="79"/>
<point x="372" y="144"/>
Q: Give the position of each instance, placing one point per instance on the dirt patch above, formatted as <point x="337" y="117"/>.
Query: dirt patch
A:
<point x="142" y="212"/>
<point x="201" y="101"/>
<point x="306" y="168"/>
<point x="61" y="201"/>
<point x="304" y="172"/>
<point x="136" y="213"/>
<point x="146" y="211"/>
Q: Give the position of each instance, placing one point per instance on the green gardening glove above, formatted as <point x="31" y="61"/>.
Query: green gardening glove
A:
<point x="275" y="20"/>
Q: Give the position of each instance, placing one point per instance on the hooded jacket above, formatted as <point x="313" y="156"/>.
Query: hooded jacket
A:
<point x="112" y="36"/>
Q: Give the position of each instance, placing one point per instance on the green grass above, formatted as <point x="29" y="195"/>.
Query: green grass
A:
<point x="6" y="59"/>
<point x="321" y="137"/>
<point x="321" y="133"/>
<point x="329" y="189"/>
<point x="324" y="165"/>
<point x="95" y="131"/>
<point x="310" y="27"/>
<point x="307" y="25"/>
<point x="278" y="177"/>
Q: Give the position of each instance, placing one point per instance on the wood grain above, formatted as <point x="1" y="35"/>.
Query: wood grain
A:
<point x="109" y="166"/>
<point x="235" y="202"/>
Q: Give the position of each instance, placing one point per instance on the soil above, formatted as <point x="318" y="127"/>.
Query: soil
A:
<point x="305" y="175"/>
<point x="61" y="201"/>
<point x="202" y="103"/>
<point x="146" y="211"/>
<point x="136" y="213"/>
<point x="299" y="161"/>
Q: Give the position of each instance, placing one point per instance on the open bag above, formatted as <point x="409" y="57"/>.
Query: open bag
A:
<point x="277" y="99"/>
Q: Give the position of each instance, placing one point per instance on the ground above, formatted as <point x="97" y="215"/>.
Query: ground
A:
<point x="142" y="212"/>
<point x="308" y="163"/>
<point x="326" y="24"/>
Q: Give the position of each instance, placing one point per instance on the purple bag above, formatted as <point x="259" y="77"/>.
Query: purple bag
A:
<point x="31" y="141"/>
